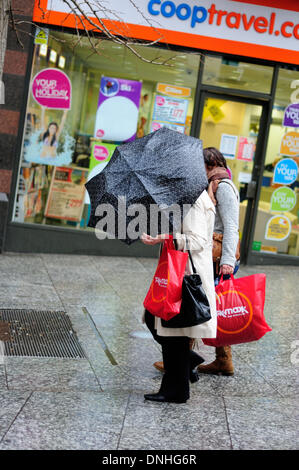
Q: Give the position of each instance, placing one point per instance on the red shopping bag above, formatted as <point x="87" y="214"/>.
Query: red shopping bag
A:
<point x="164" y="297"/>
<point x="240" y="310"/>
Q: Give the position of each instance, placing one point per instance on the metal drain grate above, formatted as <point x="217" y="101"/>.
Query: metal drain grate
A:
<point x="38" y="333"/>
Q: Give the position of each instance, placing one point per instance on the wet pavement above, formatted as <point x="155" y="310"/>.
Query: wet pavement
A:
<point x="92" y="403"/>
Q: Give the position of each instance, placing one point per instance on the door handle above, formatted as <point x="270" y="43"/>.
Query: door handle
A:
<point x="251" y="190"/>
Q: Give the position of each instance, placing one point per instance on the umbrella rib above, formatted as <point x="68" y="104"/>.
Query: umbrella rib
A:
<point x="136" y="174"/>
<point x="141" y="181"/>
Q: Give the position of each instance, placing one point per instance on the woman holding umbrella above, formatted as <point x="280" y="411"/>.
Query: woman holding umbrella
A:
<point x="179" y="360"/>
<point x="225" y="198"/>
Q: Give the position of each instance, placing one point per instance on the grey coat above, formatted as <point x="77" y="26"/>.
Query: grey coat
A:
<point x="227" y="220"/>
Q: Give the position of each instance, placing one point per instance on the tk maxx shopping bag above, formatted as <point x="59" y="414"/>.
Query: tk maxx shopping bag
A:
<point x="240" y="310"/>
<point x="164" y="297"/>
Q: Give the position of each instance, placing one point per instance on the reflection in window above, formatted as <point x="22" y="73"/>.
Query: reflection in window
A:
<point x="239" y="75"/>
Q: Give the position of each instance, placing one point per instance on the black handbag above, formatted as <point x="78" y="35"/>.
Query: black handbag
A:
<point x="195" y="308"/>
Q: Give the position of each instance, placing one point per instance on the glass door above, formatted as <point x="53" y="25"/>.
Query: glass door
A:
<point x="234" y="126"/>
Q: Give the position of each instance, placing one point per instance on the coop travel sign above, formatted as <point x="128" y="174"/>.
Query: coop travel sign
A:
<point x="216" y="16"/>
<point x="266" y="29"/>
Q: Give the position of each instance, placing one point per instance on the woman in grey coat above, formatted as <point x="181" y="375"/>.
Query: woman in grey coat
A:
<point x="225" y="197"/>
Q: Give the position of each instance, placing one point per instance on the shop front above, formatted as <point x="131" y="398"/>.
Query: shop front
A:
<point x="231" y="78"/>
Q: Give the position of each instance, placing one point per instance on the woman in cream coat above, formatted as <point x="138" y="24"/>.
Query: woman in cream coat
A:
<point x="179" y="360"/>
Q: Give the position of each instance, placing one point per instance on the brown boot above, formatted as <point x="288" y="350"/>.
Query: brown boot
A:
<point x="159" y="366"/>
<point x="223" y="364"/>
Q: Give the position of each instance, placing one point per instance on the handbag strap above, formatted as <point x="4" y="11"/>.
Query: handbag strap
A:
<point x="227" y="182"/>
<point x="191" y="259"/>
<point x="189" y="253"/>
<point x="192" y="264"/>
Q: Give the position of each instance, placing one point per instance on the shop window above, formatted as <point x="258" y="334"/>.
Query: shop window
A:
<point x="277" y="226"/>
<point x="233" y="127"/>
<point x="221" y="72"/>
<point x="81" y="105"/>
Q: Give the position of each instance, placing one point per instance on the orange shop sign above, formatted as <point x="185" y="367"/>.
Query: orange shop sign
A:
<point x="267" y="29"/>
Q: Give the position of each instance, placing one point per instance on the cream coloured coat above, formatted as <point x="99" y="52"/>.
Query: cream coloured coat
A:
<point x="197" y="228"/>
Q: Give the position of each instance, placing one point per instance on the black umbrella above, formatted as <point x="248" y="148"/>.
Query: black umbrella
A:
<point x="164" y="169"/>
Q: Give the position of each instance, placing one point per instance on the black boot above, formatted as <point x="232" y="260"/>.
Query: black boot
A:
<point x="195" y="360"/>
<point x="159" y="397"/>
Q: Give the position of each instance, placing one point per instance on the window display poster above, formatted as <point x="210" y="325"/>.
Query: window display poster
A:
<point x="212" y="109"/>
<point x="278" y="228"/>
<point x="228" y="145"/>
<point x="290" y="144"/>
<point x="215" y="112"/>
<point x="100" y="156"/>
<point x="100" y="152"/>
<point x="47" y="140"/>
<point x="52" y="88"/>
<point x="283" y="199"/>
<point x="32" y="183"/>
<point x="66" y="195"/>
<point x="144" y="111"/>
<point x="50" y="144"/>
<point x="169" y="109"/>
<point x="32" y="203"/>
<point x="285" y="171"/>
<point x="155" y="125"/>
<point x="291" y="116"/>
<point x="244" y="177"/>
<point x="118" y="108"/>
<point x="246" y="149"/>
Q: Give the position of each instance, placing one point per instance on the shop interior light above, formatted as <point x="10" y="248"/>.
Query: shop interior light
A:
<point x="43" y="49"/>
<point x="61" y="62"/>
<point x="53" y="56"/>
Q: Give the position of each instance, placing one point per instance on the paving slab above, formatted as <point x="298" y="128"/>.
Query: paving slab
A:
<point x="11" y="404"/>
<point x="263" y="422"/>
<point x="68" y="421"/>
<point x="55" y="374"/>
<point x="23" y="270"/>
<point x="71" y="269"/>
<point x="118" y="264"/>
<point x="90" y="294"/>
<point x="272" y="359"/>
<point x="198" y="424"/>
<point x="31" y="296"/>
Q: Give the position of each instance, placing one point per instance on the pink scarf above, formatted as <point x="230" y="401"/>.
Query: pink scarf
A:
<point x="214" y="177"/>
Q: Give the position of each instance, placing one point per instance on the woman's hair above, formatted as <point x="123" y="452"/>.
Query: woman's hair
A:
<point x="47" y="133"/>
<point x="213" y="157"/>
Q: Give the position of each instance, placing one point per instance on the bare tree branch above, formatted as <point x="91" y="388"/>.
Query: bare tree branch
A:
<point x="89" y="27"/>
<point x="92" y="19"/>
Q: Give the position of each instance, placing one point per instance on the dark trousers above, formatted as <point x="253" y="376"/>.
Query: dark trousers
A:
<point x="178" y="360"/>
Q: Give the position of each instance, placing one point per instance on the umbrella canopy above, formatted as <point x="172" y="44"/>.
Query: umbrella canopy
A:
<point x="164" y="168"/>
